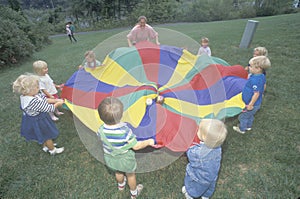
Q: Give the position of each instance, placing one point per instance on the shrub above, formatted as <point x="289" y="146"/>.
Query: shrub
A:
<point x="18" y="37"/>
<point x="14" y="42"/>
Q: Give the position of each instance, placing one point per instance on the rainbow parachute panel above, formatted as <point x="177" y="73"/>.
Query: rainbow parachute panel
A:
<point x="193" y="87"/>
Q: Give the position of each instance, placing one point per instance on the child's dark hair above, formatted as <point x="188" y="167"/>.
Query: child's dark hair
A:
<point x="110" y="110"/>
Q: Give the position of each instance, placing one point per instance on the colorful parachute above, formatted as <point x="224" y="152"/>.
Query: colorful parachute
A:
<point x="193" y="88"/>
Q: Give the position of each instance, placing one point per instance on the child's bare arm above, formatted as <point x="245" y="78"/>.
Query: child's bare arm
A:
<point x="142" y="144"/>
<point x="57" y="86"/>
<point x="253" y="100"/>
<point x="53" y="101"/>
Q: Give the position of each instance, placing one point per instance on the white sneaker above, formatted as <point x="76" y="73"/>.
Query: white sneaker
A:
<point x="139" y="188"/>
<point x="187" y="196"/>
<point x="45" y="148"/>
<point x="54" y="118"/>
<point x="56" y="150"/>
<point x="248" y="129"/>
<point x="237" y="129"/>
<point x="59" y="113"/>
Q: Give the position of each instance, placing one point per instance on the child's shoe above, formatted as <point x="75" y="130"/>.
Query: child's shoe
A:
<point x="139" y="189"/>
<point x="121" y="186"/>
<point x="187" y="196"/>
<point x="53" y="117"/>
<point x="46" y="149"/>
<point x="248" y="129"/>
<point x="56" y="150"/>
<point x="237" y="129"/>
<point x="58" y="112"/>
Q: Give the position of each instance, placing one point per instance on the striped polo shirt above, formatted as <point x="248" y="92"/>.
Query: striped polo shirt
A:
<point x="119" y="136"/>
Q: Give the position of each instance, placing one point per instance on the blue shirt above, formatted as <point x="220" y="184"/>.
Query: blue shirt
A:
<point x="255" y="83"/>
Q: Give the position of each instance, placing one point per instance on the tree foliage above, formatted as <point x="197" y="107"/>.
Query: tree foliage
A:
<point x="18" y="37"/>
<point x="30" y="22"/>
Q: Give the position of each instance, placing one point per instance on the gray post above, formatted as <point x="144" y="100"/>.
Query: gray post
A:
<point x="248" y="33"/>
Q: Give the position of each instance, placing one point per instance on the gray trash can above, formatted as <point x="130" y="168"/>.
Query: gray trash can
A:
<point x="248" y="33"/>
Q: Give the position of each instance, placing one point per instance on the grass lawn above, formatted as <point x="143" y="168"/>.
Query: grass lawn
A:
<point x="259" y="164"/>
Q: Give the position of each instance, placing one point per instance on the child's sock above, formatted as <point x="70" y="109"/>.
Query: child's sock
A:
<point x="134" y="193"/>
<point x="121" y="186"/>
<point x="137" y="191"/>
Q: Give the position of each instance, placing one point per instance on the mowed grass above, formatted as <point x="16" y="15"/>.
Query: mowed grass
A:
<point x="263" y="163"/>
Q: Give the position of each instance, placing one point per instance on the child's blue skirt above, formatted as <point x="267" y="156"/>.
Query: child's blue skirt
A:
<point x="38" y="128"/>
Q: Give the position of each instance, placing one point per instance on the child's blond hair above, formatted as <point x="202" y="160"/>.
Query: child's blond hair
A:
<point x="262" y="62"/>
<point x="38" y="67"/>
<point x="25" y="84"/>
<point x="90" y="54"/>
<point x="212" y="132"/>
<point x="204" y="39"/>
<point x="262" y="51"/>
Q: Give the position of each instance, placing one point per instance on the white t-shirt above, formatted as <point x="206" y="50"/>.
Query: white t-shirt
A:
<point x="47" y="83"/>
<point x="92" y="64"/>
<point x="204" y="50"/>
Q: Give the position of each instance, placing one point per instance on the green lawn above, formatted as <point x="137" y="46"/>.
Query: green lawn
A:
<point x="259" y="164"/>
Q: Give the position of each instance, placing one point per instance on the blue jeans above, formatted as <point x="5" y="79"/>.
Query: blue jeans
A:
<point x="246" y="118"/>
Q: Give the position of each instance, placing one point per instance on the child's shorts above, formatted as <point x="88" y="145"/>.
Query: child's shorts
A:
<point x="124" y="162"/>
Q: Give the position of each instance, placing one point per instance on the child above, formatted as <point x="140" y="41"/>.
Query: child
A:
<point x="204" y="160"/>
<point x="118" y="142"/>
<point x="259" y="51"/>
<point x="36" y="122"/>
<point x="46" y="84"/>
<point x="252" y="92"/>
<point x="91" y="61"/>
<point x="204" y="49"/>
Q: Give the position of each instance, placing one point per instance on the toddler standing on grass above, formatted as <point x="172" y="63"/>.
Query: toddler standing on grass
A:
<point x="252" y="92"/>
<point x="118" y="142"/>
<point x="36" y="123"/>
<point x="259" y="51"/>
<point x="204" y="160"/>
<point x="204" y="49"/>
<point x="90" y="60"/>
<point x="46" y="84"/>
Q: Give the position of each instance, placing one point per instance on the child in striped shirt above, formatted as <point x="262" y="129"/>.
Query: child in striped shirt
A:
<point x="36" y="122"/>
<point x="118" y="142"/>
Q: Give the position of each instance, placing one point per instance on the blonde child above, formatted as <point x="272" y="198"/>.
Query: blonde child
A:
<point x="47" y="86"/>
<point x="90" y="60"/>
<point x="204" y="160"/>
<point x="252" y="92"/>
<point x="204" y="49"/>
<point x="258" y="51"/>
<point x="36" y="123"/>
<point x="118" y="142"/>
